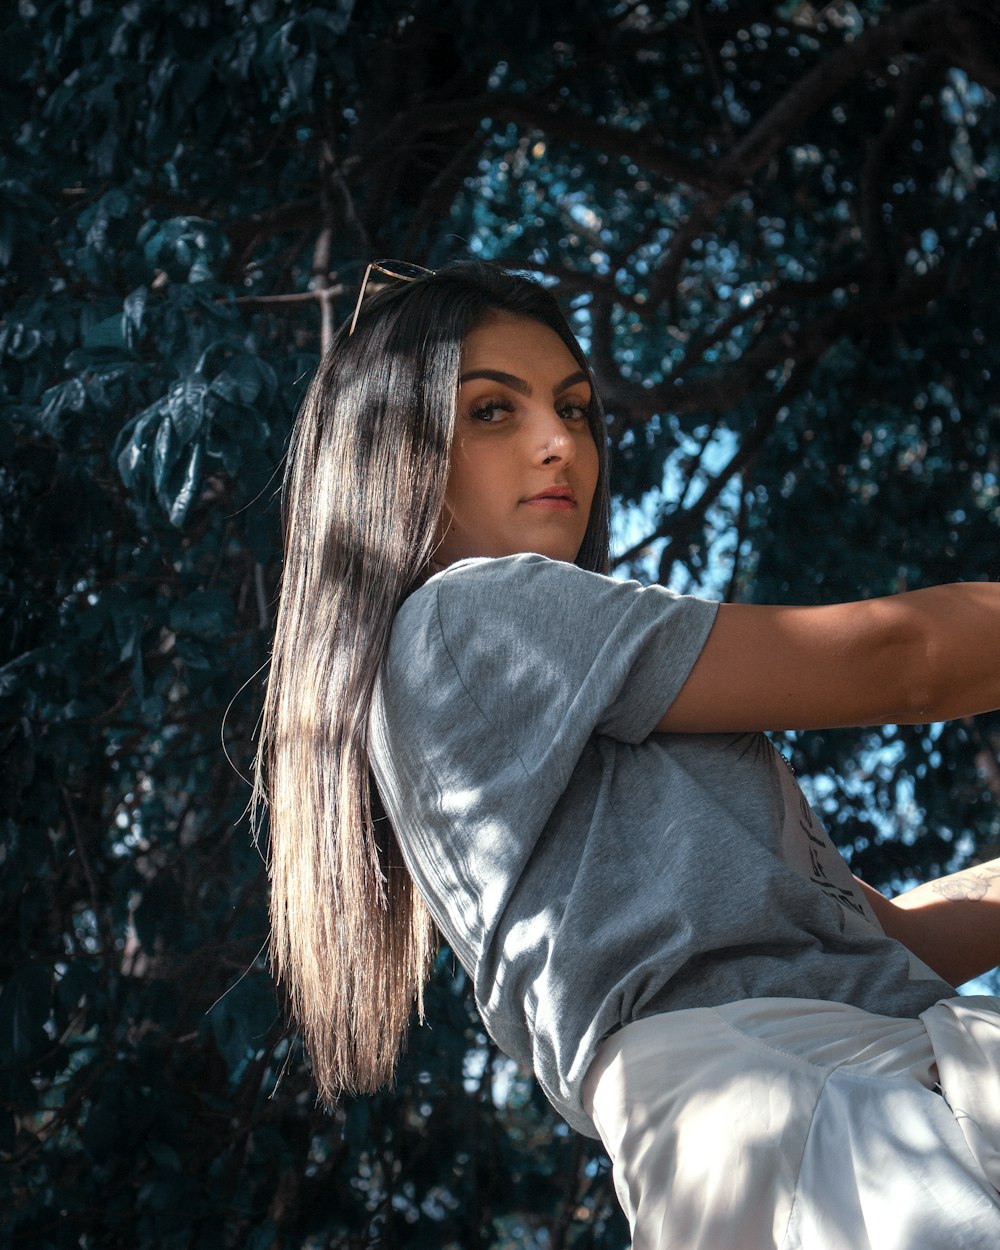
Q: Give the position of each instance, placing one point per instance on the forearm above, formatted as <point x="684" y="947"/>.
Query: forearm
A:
<point x="952" y="924"/>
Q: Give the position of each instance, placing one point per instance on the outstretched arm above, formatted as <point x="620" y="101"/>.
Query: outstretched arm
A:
<point x="923" y="656"/>
<point x="952" y="924"/>
<point x="912" y="658"/>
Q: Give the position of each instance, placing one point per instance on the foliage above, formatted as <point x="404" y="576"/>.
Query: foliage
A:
<point x="776" y="225"/>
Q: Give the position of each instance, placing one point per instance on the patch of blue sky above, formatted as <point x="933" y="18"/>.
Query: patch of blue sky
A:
<point x="898" y="821"/>
<point x="583" y="215"/>
<point x="895" y="819"/>
<point x="989" y="983"/>
<point x="962" y="98"/>
<point x="630" y="524"/>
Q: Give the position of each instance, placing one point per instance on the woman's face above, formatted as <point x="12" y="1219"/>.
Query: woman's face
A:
<point x="524" y="462"/>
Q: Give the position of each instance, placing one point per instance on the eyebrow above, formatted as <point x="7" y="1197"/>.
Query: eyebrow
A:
<point x="519" y="384"/>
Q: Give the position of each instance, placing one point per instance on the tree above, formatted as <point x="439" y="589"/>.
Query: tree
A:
<point x="776" y="227"/>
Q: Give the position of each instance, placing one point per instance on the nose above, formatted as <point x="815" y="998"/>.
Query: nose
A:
<point x="553" y="442"/>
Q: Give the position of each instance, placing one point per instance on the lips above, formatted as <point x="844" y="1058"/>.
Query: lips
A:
<point x="557" y="497"/>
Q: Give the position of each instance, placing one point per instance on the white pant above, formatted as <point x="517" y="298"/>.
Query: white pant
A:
<point x="790" y="1124"/>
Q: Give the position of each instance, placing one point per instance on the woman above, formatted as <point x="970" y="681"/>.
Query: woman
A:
<point x="572" y="784"/>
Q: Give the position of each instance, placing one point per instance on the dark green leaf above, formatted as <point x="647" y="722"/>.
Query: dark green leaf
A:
<point x="167" y="446"/>
<point x="188" y="487"/>
<point x="133" y="313"/>
<point x="207" y="613"/>
<point x="186" y="406"/>
<point x="25" y="1007"/>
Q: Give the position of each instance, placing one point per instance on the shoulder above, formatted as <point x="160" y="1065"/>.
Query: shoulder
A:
<point x="483" y="596"/>
<point x="528" y="645"/>
<point x="501" y="586"/>
<point x="491" y="614"/>
<point x="524" y="571"/>
<point x="528" y="602"/>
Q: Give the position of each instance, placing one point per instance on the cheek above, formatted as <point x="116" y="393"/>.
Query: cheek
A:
<point x="469" y="482"/>
<point x="458" y="473"/>
<point x="475" y="467"/>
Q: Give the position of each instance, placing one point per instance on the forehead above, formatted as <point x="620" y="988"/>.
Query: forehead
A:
<point x="516" y="344"/>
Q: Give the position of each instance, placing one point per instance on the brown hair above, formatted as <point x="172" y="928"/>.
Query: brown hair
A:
<point x="368" y="462"/>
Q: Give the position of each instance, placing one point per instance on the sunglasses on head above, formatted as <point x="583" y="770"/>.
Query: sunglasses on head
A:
<point x="397" y="270"/>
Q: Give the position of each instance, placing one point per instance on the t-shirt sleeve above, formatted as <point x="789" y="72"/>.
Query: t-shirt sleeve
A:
<point x="550" y="653"/>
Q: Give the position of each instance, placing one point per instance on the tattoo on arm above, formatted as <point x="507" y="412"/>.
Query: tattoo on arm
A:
<point x="972" y="884"/>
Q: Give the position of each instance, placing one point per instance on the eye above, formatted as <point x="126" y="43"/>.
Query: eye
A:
<point x="573" y="410"/>
<point x="487" y="412"/>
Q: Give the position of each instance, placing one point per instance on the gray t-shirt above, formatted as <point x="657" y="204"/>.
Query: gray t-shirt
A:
<point x="586" y="871"/>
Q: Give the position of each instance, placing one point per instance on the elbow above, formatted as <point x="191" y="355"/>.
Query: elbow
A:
<point x="910" y="655"/>
<point x="901" y="664"/>
<point x="921" y="702"/>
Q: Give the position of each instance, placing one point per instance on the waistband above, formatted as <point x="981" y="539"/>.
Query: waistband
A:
<point x="953" y="1047"/>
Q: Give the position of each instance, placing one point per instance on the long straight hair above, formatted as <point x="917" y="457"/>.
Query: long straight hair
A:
<point x="364" y="488"/>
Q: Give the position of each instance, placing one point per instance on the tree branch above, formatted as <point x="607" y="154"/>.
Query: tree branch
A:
<point x="741" y="526"/>
<point x="440" y="192"/>
<point x="620" y="396"/>
<point x="293" y="297"/>
<point x="246" y="236"/>
<point x="728" y="387"/>
<point x="921" y="28"/>
<point x="815" y="88"/>
<point x="677" y="526"/>
<point x="770" y="301"/>
<point x="555" y="120"/>
<point x="570" y="1198"/>
<point x="553" y="117"/>
<point x="879" y="158"/>
<point x="710" y="60"/>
